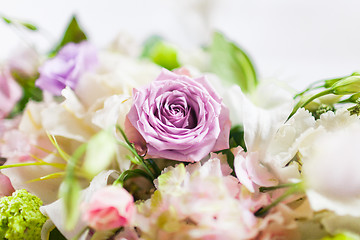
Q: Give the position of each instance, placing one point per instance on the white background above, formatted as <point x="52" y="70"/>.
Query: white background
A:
<point x="296" y="41"/>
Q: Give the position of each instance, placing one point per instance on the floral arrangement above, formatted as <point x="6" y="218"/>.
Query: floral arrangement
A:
<point x="154" y="142"/>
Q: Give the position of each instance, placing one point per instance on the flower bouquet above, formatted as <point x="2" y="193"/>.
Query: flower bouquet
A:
<point x="149" y="141"/>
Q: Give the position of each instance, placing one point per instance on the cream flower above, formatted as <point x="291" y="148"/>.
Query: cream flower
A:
<point x="116" y="75"/>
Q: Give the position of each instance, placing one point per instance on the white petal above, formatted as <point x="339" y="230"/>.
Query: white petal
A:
<point x="341" y="206"/>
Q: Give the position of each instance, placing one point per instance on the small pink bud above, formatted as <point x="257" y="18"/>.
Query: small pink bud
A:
<point x="110" y="207"/>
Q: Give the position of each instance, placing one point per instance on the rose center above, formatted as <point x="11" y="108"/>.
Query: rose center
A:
<point x="176" y="112"/>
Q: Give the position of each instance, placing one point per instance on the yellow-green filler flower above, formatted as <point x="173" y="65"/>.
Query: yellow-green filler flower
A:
<point x="20" y="217"/>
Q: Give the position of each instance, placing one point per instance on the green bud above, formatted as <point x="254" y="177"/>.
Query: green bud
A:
<point x="330" y="82"/>
<point x="347" y="85"/>
<point x="160" y="52"/>
<point x="164" y="55"/>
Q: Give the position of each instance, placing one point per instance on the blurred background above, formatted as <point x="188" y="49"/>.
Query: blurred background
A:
<point x="294" y="41"/>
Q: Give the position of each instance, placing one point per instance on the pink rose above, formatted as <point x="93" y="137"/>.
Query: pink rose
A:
<point x="179" y="118"/>
<point x="110" y="207"/>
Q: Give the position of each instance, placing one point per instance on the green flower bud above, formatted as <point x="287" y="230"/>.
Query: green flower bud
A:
<point x="347" y="85"/>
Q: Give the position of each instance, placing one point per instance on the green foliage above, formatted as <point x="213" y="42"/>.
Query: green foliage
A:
<point x="20" y="216"/>
<point x="160" y="53"/>
<point x="236" y="139"/>
<point x="56" y="235"/>
<point x="232" y="64"/>
<point x="30" y="92"/>
<point x="73" y="33"/>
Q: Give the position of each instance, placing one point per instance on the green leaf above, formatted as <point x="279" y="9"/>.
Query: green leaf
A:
<point x="232" y="64"/>
<point x="30" y="92"/>
<point x="100" y="153"/>
<point x="73" y="34"/>
<point x="160" y="53"/>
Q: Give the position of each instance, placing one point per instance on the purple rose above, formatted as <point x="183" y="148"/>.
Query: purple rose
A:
<point x="179" y="118"/>
<point x="66" y="67"/>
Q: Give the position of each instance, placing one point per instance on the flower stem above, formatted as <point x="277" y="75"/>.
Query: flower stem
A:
<point x="267" y="189"/>
<point x="306" y="101"/>
<point x="131" y="148"/>
<point x="297" y="187"/>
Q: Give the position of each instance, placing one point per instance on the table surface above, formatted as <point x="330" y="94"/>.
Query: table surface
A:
<point x="294" y="41"/>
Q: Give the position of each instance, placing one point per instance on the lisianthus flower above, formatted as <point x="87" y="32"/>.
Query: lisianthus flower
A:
<point x="179" y="118"/>
<point x="66" y="67"/>
<point x="261" y="113"/>
<point x="10" y="92"/>
<point x="250" y="172"/>
<point x="109" y="208"/>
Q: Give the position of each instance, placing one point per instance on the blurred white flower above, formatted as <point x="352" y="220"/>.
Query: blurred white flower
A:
<point x="124" y="44"/>
<point x="197" y="24"/>
<point x="330" y="170"/>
